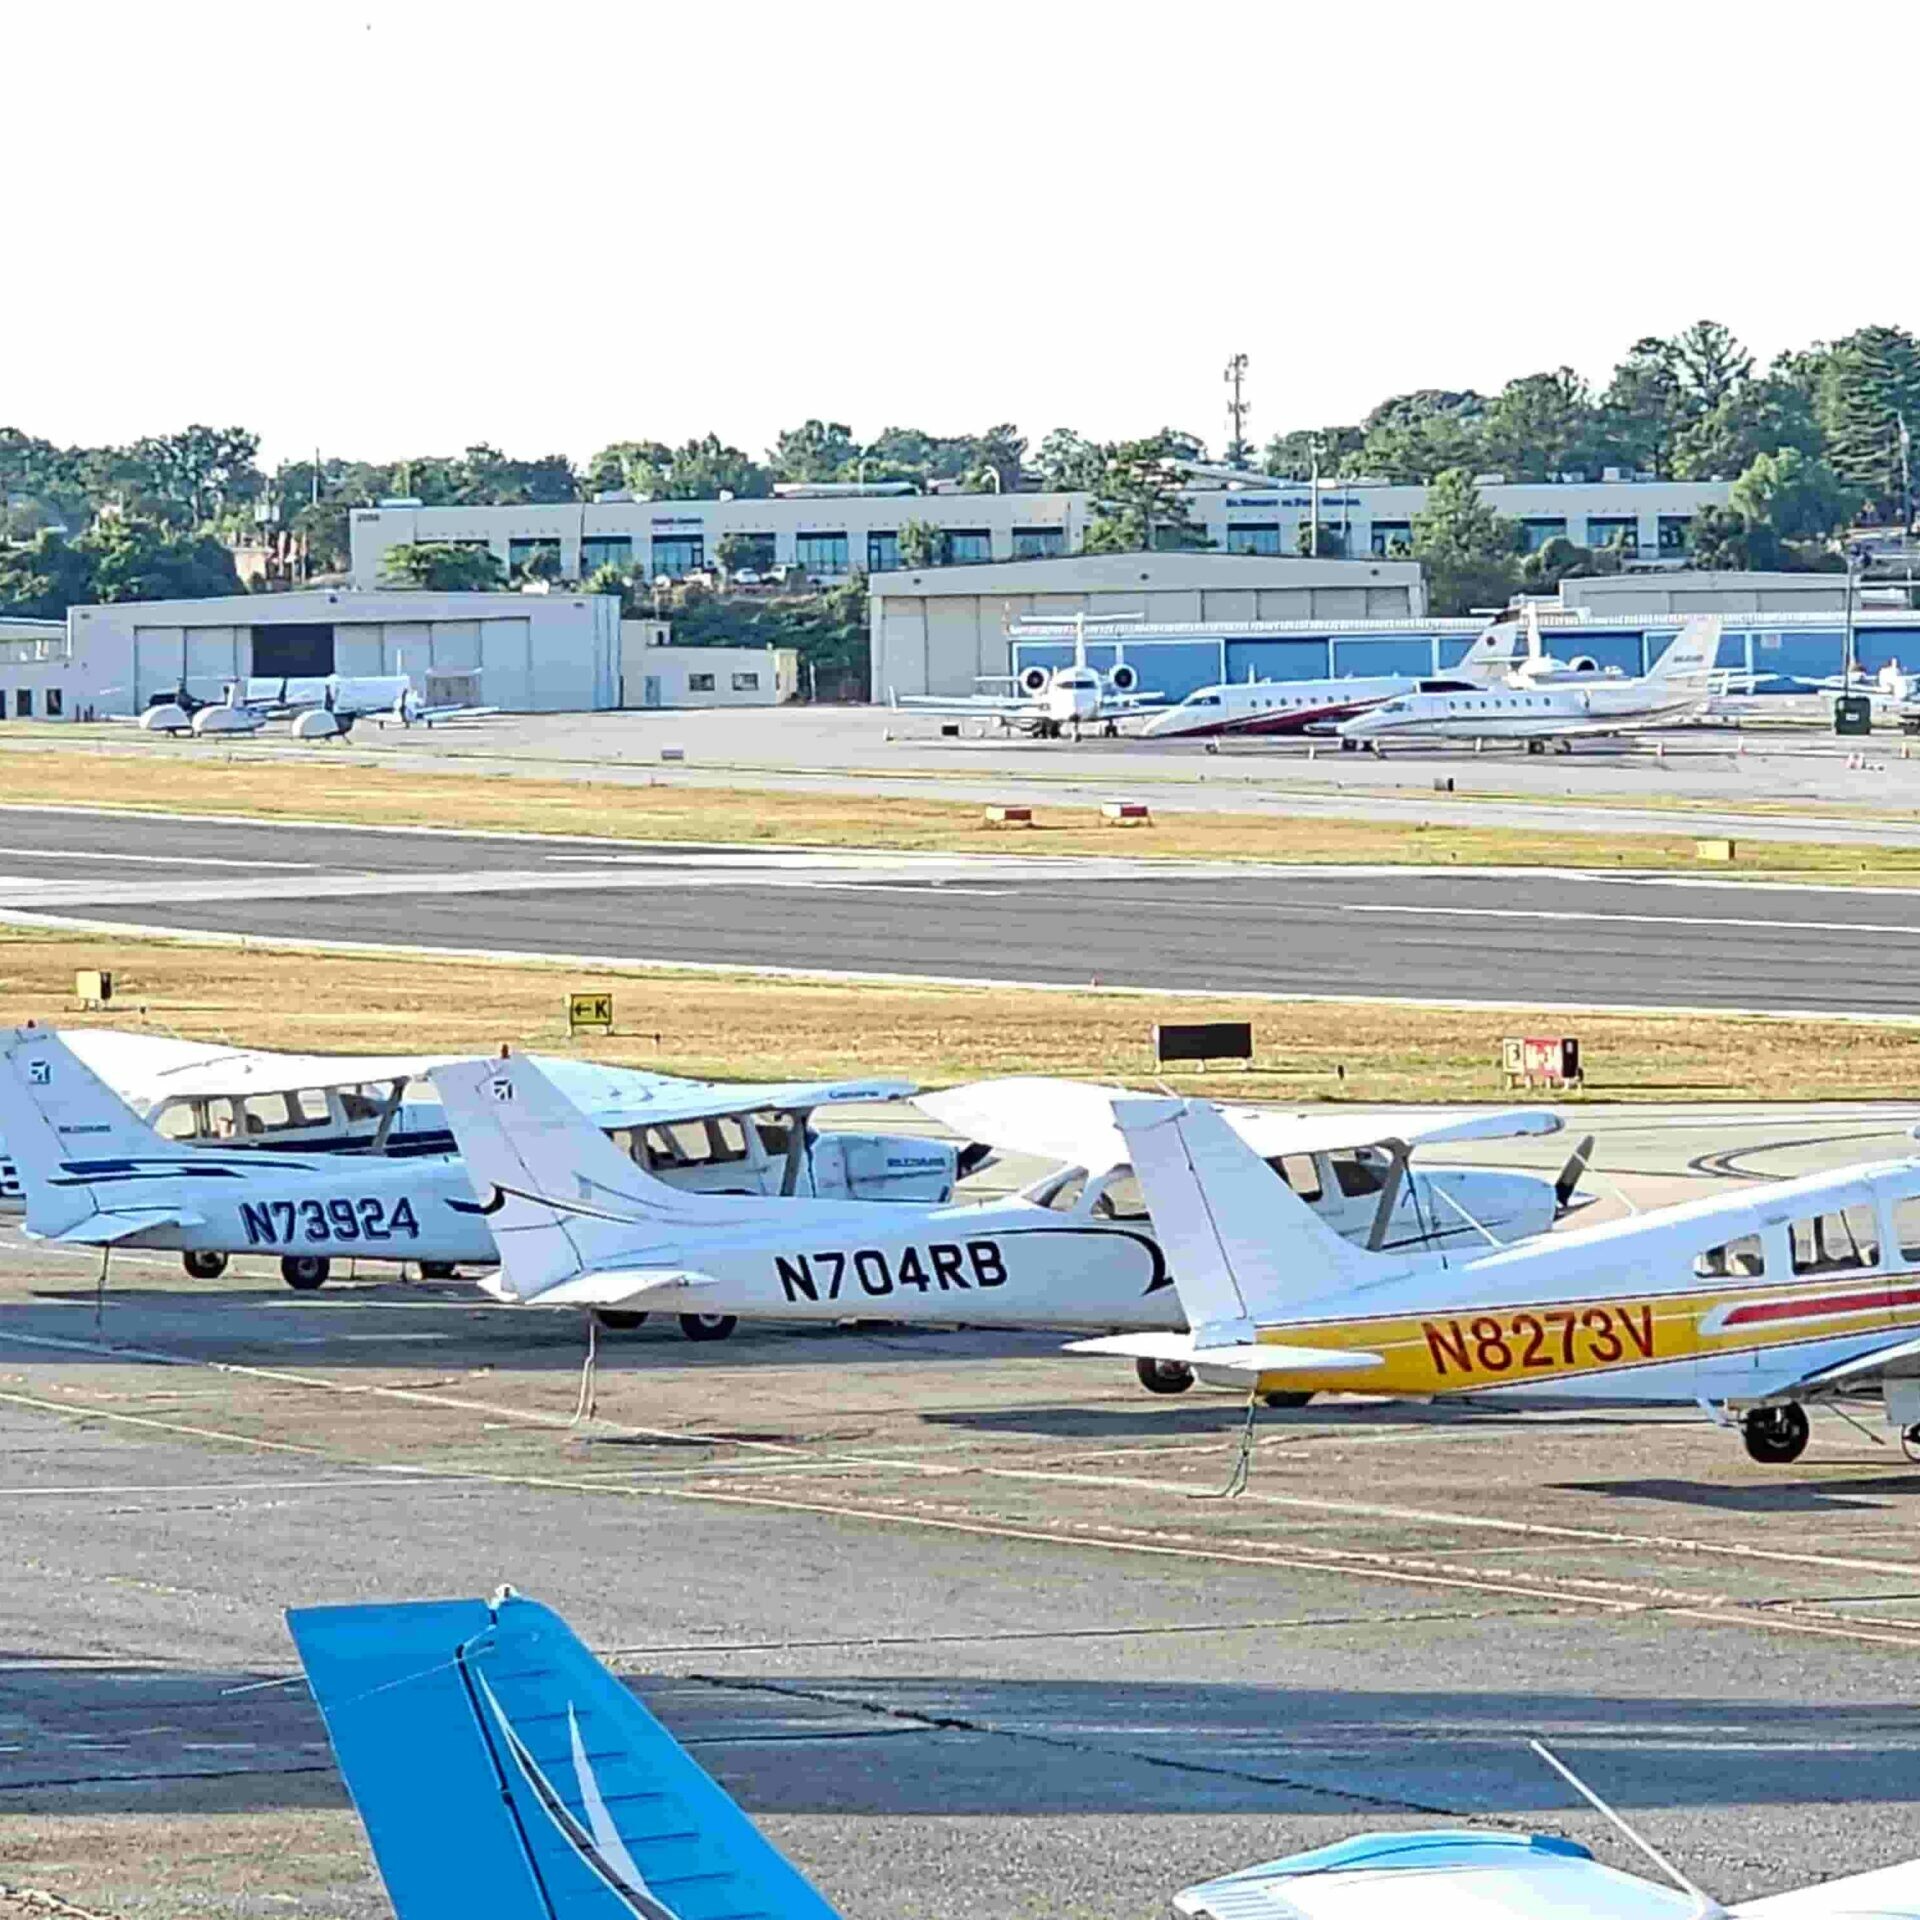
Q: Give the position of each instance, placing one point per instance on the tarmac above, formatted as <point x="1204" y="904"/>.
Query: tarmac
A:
<point x="958" y="1617"/>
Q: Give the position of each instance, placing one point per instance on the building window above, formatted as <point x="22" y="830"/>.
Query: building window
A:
<point x="1392" y="536"/>
<point x="1534" y="534"/>
<point x="968" y="543"/>
<point x="23" y="704"/>
<point x="679" y="554"/>
<point x="55" y="704"/>
<point x="746" y="683"/>
<point x="605" y="550"/>
<point x="821" y="554"/>
<point x="539" y="559"/>
<point x="748" y="552"/>
<point x="883" y="552"/>
<point x="699" y="683"/>
<point x="1624" y="534"/>
<point x="1675" y="532"/>
<point x="1254" y="536"/>
<point x="1038" y="543"/>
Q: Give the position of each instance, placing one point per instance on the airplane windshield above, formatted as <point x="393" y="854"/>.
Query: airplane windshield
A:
<point x="1203" y="700"/>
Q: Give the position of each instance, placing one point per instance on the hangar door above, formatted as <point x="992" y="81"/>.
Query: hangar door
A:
<point x="296" y="650"/>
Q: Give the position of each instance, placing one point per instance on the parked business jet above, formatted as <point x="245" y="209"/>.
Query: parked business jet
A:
<point x="578" y="1225"/>
<point x="502" y="1771"/>
<point x="1252" y="709"/>
<point x="1678" y="686"/>
<point x="1752" y="1305"/>
<point x="1050" y="702"/>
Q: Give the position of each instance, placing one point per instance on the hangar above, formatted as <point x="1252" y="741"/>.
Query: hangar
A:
<point x="941" y="629"/>
<point x="533" y="652"/>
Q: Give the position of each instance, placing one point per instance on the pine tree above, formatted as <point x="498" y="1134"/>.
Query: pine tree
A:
<point x="1871" y="383"/>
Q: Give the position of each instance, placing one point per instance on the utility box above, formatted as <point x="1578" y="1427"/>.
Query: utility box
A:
<point x="1852" y="713"/>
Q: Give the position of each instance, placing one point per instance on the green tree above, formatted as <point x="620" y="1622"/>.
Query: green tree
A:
<point x="1724" y="541"/>
<point x="705" y="469"/>
<point x="193" y="476"/>
<point x="630" y="466"/>
<point x="1759" y="416"/>
<point x="134" y="560"/>
<point x="1543" y="425"/>
<point x="1710" y="363"/>
<point x="922" y="544"/>
<point x="1068" y="462"/>
<point x="1471" y="553"/>
<point x="1138" y="506"/>
<point x="820" y="450"/>
<point x="442" y="566"/>
<point x="1290" y="456"/>
<point x="1416" y="436"/>
<point x="1871" y="384"/>
<point x="41" y="578"/>
<point x="1560" y="559"/>
<point x="1646" y="406"/>
<point x="1795" y="496"/>
<point x="1332" y="543"/>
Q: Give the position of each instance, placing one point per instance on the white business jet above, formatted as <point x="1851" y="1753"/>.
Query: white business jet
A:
<point x="93" y="1173"/>
<point x="1752" y="1305"/>
<point x="1050" y="702"/>
<point x="578" y="1225"/>
<point x="1677" y="687"/>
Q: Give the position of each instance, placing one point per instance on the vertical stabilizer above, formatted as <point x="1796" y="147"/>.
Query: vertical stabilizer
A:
<point x="502" y="1771"/>
<point x="1501" y="648"/>
<point x="1244" y="1249"/>
<point x="1691" y="657"/>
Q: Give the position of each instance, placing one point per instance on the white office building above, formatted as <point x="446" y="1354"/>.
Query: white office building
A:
<point x="828" y="532"/>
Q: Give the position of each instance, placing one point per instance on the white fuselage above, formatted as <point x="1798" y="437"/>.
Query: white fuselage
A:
<point x="1259" y="707"/>
<point x="1525" y="713"/>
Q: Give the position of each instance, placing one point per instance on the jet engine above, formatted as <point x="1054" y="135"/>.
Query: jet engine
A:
<point x="1584" y="663"/>
<point x="1123" y="679"/>
<point x="1034" y="680"/>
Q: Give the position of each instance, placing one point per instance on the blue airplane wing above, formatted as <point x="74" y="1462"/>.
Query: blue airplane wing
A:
<point x="500" y="1769"/>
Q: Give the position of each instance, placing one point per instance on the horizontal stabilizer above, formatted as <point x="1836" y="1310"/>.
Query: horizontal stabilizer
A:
<point x="1244" y="1357"/>
<point x="109" y="1229"/>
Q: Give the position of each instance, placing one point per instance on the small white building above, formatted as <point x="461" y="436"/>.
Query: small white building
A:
<point x="533" y="652"/>
<point x="942" y="629"/>
<point x="655" y="673"/>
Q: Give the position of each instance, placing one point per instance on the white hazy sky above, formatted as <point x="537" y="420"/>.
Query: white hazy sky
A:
<point x="400" y="228"/>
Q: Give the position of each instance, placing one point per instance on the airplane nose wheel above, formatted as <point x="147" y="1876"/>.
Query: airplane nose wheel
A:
<point x="1910" y="1442"/>
<point x="1776" y="1436"/>
<point x="204" y="1266"/>
<point x="1164" y="1376"/>
<point x="305" y="1272"/>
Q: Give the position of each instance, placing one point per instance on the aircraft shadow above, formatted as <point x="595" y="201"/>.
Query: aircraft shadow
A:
<point x="1777" y="1496"/>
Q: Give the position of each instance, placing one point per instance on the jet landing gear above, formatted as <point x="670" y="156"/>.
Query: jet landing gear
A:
<point x="204" y="1266"/>
<point x="1164" y="1376"/>
<point x="305" y="1272"/>
<point x="1776" y="1436"/>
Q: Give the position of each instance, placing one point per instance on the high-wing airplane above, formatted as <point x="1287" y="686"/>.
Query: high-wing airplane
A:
<point x="322" y="707"/>
<point x="1252" y="709"/>
<point x="1752" y="1305"/>
<point x="501" y="1770"/>
<point x="93" y="1173"/>
<point x="1677" y="686"/>
<point x="1050" y="702"/>
<point x="578" y="1225"/>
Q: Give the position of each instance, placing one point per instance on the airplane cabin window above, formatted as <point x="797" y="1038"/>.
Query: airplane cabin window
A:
<point x="1843" y="1242"/>
<point x="310" y="1107"/>
<point x="1742" y="1259"/>
<point x="223" y="1122"/>
<point x="1122" y="1198"/>
<point x="1906" y="1227"/>
<point x="690" y="1141"/>
<point x="776" y="1133"/>
<point x="1299" y="1172"/>
<point x="1066" y="1196"/>
<point x="1357" y="1175"/>
<point x="627" y="1139"/>
<point x="727" y="1138"/>
<point x="174" y="1121"/>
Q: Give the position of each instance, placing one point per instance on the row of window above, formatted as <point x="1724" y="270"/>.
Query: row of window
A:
<point x="704" y="683"/>
<point x="1846" y="1241"/>
<point x="823" y="555"/>
<point x="23" y="703"/>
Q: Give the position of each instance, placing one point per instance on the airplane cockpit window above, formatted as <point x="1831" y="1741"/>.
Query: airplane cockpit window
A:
<point x="1066" y="1196"/>
<point x="1203" y="700"/>
<point x="1843" y="1242"/>
<point x="726" y="1139"/>
<point x="1361" y="1172"/>
<point x="1906" y="1228"/>
<point x="627" y="1139"/>
<point x="776" y="1133"/>
<point x="1300" y="1173"/>
<point x="1121" y="1199"/>
<point x="362" y="1103"/>
<point x="175" y="1121"/>
<point x="1742" y="1259"/>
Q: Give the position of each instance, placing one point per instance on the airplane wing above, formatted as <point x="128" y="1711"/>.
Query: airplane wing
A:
<point x="108" y="1229"/>
<point x="1899" y="1358"/>
<point x="632" y="1097"/>
<point x="1246" y="1357"/>
<point x="1071" y="1121"/>
<point x="1890" y="1893"/>
<point x="129" y="1064"/>
<point x="989" y="706"/>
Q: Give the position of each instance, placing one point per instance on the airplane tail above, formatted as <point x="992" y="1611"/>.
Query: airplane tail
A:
<point x="91" y="1170"/>
<point x="575" y="1221"/>
<point x="1244" y="1249"/>
<point x="1690" y="659"/>
<point x="1506" y="642"/>
<point x="500" y="1769"/>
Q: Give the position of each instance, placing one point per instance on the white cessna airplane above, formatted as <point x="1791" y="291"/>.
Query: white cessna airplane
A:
<point x="1752" y="1305"/>
<point x="322" y="707"/>
<point x="93" y="1173"/>
<point x="578" y="1225"/>
<point x="1048" y="703"/>
<point x="1678" y="686"/>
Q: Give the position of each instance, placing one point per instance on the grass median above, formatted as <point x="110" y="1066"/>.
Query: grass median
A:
<point x="740" y="1027"/>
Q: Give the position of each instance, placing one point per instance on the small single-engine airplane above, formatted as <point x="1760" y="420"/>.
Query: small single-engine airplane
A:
<point x="93" y="1173"/>
<point x="578" y="1225"/>
<point x="1752" y="1305"/>
<point x="501" y="1770"/>
<point x="1677" y="687"/>
<point x="1049" y="702"/>
<point x="323" y="707"/>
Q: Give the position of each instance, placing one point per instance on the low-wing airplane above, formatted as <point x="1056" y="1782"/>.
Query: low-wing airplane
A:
<point x="580" y="1226"/>
<point x="1252" y="709"/>
<point x="93" y="1173"/>
<point x="1751" y="1305"/>
<point x="501" y="1770"/>
<point x="1677" y="686"/>
<point x="1049" y="702"/>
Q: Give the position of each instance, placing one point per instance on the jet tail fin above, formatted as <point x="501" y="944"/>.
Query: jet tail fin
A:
<point x="1243" y="1248"/>
<point x="1502" y="645"/>
<point x="500" y="1769"/>
<point x="1693" y="652"/>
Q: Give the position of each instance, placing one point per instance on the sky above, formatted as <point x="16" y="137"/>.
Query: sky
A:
<point x="390" y="229"/>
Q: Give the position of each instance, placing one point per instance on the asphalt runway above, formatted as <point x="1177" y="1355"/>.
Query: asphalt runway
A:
<point x="949" y="1611"/>
<point x="1508" y="936"/>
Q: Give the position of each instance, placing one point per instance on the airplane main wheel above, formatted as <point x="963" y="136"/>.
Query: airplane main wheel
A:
<point x="1164" y="1376"/>
<point x="305" y="1272"/>
<point x="1536" y="746"/>
<point x="1776" y="1436"/>
<point x="1283" y="1399"/>
<point x="708" y="1326"/>
<point x="204" y="1266"/>
<point x="618" y="1319"/>
<point x="438" y="1270"/>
